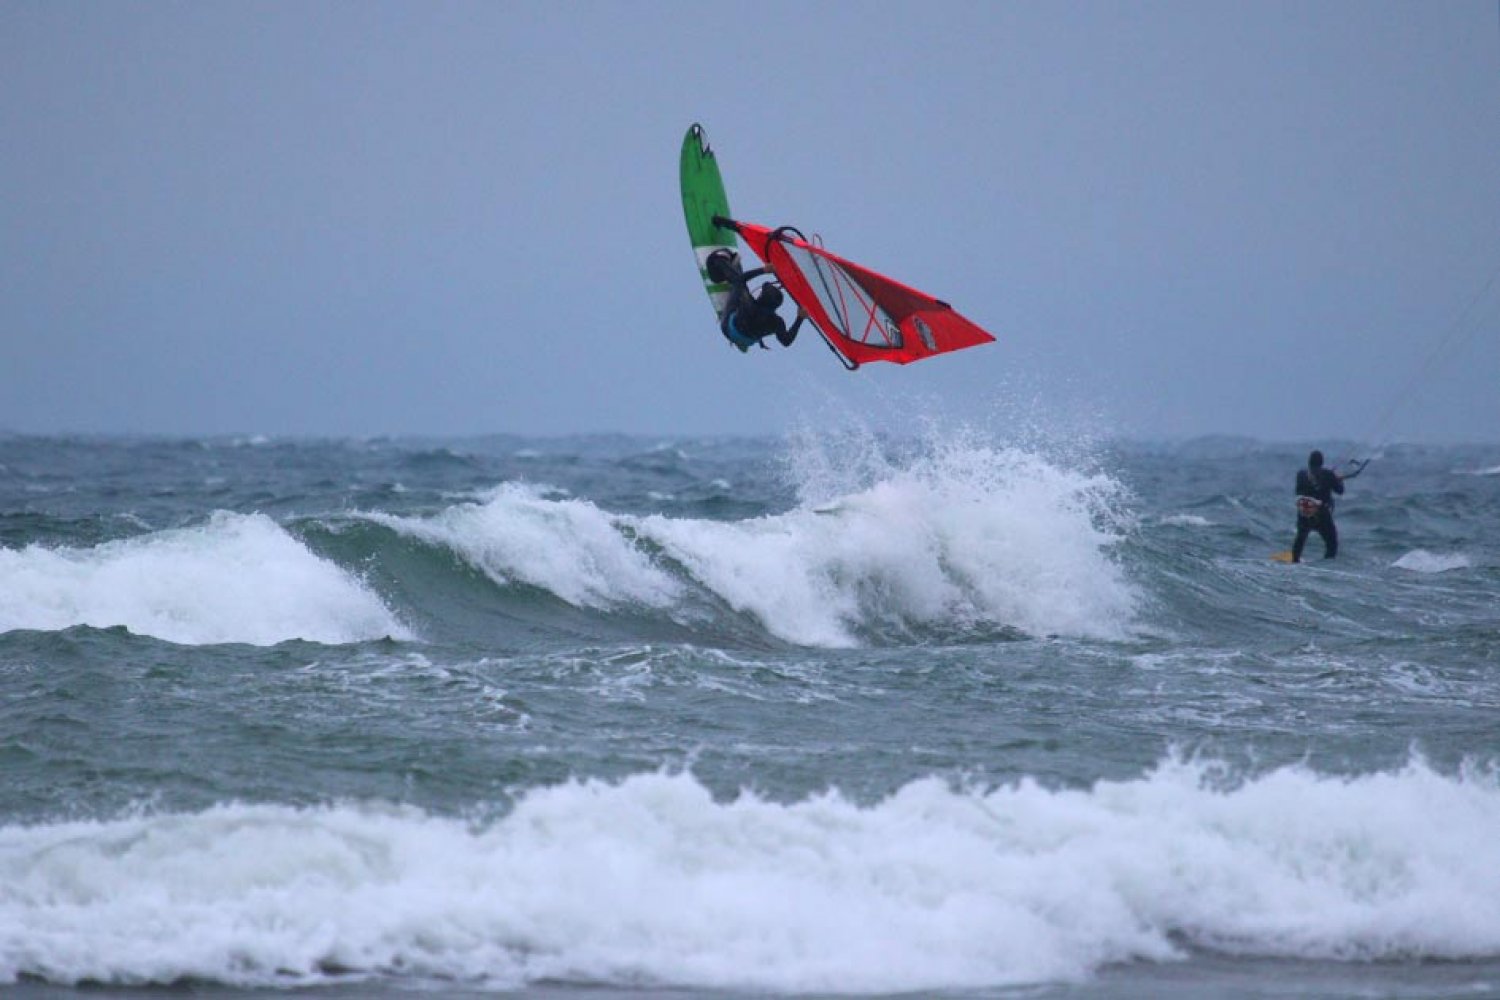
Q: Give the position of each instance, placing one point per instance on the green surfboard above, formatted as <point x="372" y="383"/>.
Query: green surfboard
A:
<point x="703" y="198"/>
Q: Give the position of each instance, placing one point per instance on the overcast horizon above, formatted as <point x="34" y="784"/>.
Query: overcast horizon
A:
<point x="1180" y="220"/>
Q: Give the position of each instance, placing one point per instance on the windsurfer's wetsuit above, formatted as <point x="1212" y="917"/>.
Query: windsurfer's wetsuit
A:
<point x="1315" y="489"/>
<point x="750" y="317"/>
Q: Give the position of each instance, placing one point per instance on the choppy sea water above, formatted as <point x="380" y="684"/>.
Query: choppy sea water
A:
<point x="623" y="717"/>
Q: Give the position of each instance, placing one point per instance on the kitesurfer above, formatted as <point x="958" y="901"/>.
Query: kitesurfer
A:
<point x="1316" y="487"/>
<point x="750" y="317"/>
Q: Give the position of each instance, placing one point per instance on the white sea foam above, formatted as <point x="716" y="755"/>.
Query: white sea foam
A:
<point x="236" y="578"/>
<point x="1422" y="561"/>
<point x="525" y="533"/>
<point x="956" y="535"/>
<point x="653" y="881"/>
<point x="1187" y="521"/>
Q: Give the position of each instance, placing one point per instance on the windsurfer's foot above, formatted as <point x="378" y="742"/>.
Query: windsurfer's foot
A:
<point x="786" y="338"/>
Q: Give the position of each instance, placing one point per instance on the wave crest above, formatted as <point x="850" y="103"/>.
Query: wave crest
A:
<point x="236" y="578"/>
<point x="653" y="880"/>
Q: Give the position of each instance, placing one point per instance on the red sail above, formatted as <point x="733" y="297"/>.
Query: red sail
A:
<point x="863" y="315"/>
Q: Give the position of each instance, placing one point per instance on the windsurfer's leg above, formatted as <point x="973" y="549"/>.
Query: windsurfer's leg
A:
<point x="730" y="328"/>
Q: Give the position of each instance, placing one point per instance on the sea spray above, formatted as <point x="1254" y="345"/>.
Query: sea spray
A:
<point x="952" y="535"/>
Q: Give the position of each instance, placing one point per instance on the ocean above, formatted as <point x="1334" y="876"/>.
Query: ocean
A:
<point x="828" y="714"/>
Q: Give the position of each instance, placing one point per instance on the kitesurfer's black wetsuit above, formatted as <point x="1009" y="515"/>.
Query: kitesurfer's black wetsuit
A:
<point x="1315" y="489"/>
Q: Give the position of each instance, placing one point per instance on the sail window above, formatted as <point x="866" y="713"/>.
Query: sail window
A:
<point x="850" y="307"/>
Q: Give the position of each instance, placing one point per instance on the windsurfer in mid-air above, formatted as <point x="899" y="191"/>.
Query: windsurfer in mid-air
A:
<point x="750" y="317"/>
<point x="1315" y="489"/>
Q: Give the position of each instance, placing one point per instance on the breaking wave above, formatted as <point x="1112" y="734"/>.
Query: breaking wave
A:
<point x="652" y="880"/>
<point x="236" y="578"/>
<point x="951" y="539"/>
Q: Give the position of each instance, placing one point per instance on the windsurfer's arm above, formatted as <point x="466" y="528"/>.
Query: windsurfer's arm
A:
<point x="797" y="323"/>
<point x="755" y="273"/>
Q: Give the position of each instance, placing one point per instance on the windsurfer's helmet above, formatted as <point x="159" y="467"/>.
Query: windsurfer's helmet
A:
<point x="720" y="264"/>
<point x="1315" y="460"/>
<point x="770" y="297"/>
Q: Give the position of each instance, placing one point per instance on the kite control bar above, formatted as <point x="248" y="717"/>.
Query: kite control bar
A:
<point x="1358" y="468"/>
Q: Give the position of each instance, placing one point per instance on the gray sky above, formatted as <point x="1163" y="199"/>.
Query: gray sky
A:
<point x="380" y="218"/>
